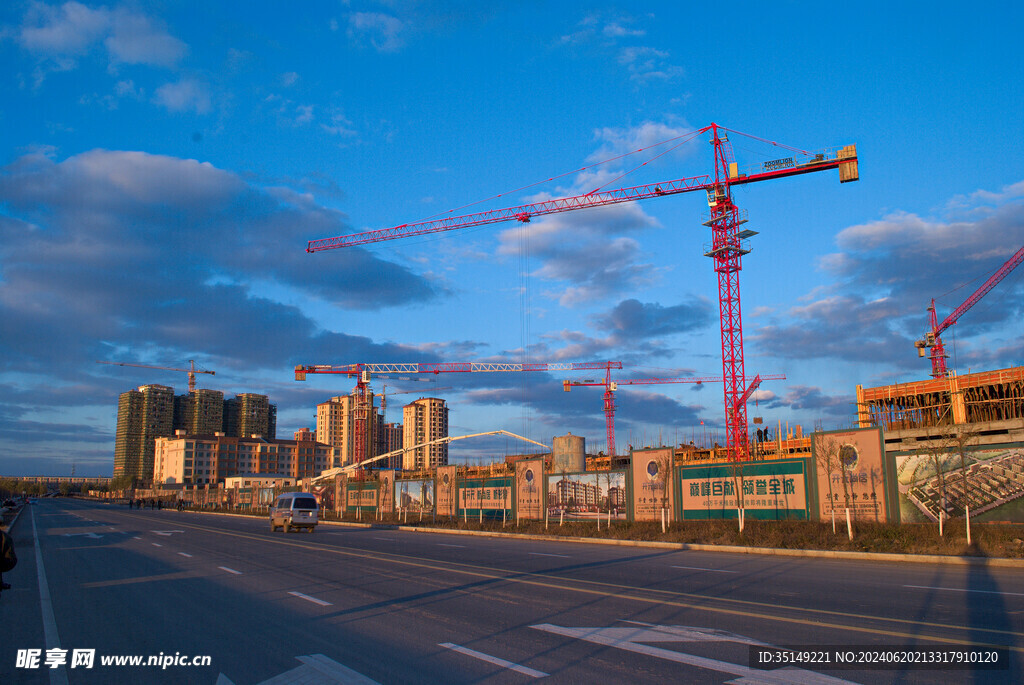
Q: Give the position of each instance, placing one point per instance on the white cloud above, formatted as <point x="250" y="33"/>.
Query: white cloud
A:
<point x="66" y="30"/>
<point x="620" y="141"/>
<point x="72" y="29"/>
<point x="383" y="31"/>
<point x="185" y="95"/>
<point x="136" y="40"/>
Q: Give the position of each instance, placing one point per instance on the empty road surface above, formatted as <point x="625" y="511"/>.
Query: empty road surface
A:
<point x="106" y="594"/>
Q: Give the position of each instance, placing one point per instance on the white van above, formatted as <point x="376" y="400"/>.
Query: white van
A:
<point x="294" y="510"/>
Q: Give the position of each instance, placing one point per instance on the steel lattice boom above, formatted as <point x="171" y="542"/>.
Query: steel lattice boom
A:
<point x="727" y="247"/>
<point x="362" y="372"/>
<point x="932" y="339"/>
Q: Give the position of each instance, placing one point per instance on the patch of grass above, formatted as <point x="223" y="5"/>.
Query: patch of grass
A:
<point x="988" y="539"/>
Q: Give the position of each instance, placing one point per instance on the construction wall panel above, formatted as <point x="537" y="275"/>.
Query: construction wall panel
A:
<point x="766" y="490"/>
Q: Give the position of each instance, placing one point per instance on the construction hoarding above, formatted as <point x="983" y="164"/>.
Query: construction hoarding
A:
<point x="387" y="494"/>
<point x="361" y="496"/>
<point x="485" y="497"/>
<point x="445" y="491"/>
<point x="932" y="480"/>
<point x="530" y="488"/>
<point x="587" y="496"/>
<point x="854" y="474"/>
<point x="415" y="496"/>
<point x="767" y="490"/>
<point x="651" y="475"/>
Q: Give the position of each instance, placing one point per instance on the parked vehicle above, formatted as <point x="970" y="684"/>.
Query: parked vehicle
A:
<point x="294" y="510"/>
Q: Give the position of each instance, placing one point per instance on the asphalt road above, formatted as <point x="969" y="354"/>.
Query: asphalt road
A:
<point x="361" y="605"/>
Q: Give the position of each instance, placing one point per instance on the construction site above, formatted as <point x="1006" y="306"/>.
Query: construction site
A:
<point x="973" y="411"/>
<point x="951" y="413"/>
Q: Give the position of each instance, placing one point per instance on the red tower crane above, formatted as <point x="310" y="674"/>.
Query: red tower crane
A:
<point x="191" y="371"/>
<point x="611" y="386"/>
<point x="932" y="339"/>
<point x="362" y="372"/>
<point x="726" y="249"/>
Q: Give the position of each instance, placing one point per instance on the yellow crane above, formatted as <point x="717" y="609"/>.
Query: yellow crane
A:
<point x="191" y="371"/>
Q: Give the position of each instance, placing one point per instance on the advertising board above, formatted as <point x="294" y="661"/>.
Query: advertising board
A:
<point x="445" y="490"/>
<point x="387" y="494"/>
<point x="932" y="480"/>
<point x="767" y="490"/>
<point x="361" y="497"/>
<point x="486" y="497"/>
<point x="587" y="496"/>
<point x="651" y="472"/>
<point x="415" y="496"/>
<point x="853" y="474"/>
<point x="530" y="488"/>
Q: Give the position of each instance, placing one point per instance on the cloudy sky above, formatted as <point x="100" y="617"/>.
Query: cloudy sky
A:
<point x="165" y="163"/>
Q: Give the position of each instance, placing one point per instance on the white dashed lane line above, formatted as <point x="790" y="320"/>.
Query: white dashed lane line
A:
<point x="497" y="661"/>
<point x="542" y="554"/>
<point x="441" y="544"/>
<point x="314" y="600"/>
<point x="698" y="568"/>
<point x="230" y="570"/>
<point x="185" y="554"/>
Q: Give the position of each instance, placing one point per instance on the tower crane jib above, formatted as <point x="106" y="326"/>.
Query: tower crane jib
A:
<point x="726" y="249"/>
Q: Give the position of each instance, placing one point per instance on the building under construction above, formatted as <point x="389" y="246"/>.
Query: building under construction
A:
<point x="991" y="403"/>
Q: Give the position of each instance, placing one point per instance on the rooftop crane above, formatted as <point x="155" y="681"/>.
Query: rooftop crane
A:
<point x="932" y="339"/>
<point x="611" y="386"/>
<point x="191" y="371"/>
<point x="723" y="218"/>
<point x="362" y="374"/>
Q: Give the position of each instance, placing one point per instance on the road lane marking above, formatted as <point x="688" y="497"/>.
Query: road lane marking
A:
<point x="387" y="539"/>
<point x="441" y="544"/>
<point x="632" y="639"/>
<point x="314" y="600"/>
<point x="497" y="661"/>
<point x="542" y="554"/>
<point x="956" y="589"/>
<point x="698" y="568"/>
<point x="156" y="544"/>
<point x="230" y="570"/>
<point x="840" y="620"/>
<point x="58" y="676"/>
<point x="185" y="554"/>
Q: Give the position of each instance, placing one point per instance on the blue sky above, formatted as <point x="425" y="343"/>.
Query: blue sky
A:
<point x="164" y="163"/>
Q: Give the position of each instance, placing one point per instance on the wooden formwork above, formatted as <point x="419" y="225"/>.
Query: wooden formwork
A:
<point x="970" y="398"/>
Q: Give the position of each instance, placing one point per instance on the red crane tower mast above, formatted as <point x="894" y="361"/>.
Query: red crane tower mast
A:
<point x="362" y="372"/>
<point x="932" y="339"/>
<point x="611" y="386"/>
<point x="726" y="249"/>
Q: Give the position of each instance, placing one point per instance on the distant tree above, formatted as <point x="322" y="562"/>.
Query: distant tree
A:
<point x="826" y="456"/>
<point x="957" y="441"/>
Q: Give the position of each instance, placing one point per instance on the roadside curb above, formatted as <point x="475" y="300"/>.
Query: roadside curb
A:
<point x="999" y="562"/>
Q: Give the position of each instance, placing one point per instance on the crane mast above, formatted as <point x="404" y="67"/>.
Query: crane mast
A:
<point x="726" y="250"/>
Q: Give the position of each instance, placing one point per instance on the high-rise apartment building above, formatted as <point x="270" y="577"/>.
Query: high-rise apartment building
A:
<point x="391" y="440"/>
<point x="250" y="414"/>
<point x="200" y="412"/>
<point x="424" y="420"/>
<point x="153" y="411"/>
<point x="335" y="426"/>
<point x="142" y="416"/>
